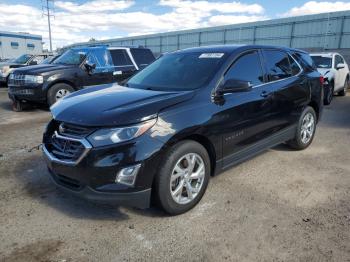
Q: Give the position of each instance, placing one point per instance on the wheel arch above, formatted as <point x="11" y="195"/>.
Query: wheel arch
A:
<point x="316" y="107"/>
<point x="62" y="81"/>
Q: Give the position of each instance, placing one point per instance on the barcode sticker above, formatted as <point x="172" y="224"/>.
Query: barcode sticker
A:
<point x="211" y="55"/>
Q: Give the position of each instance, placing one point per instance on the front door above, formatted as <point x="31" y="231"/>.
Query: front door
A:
<point x="340" y="74"/>
<point x="246" y="116"/>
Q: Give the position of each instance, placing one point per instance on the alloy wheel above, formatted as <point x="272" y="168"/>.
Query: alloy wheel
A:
<point x="307" y="128"/>
<point x="187" y="178"/>
<point x="61" y="93"/>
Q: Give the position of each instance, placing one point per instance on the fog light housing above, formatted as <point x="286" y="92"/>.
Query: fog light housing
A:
<point x="127" y="175"/>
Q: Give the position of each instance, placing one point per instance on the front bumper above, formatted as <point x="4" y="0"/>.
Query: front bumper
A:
<point x="27" y="93"/>
<point x="140" y="199"/>
<point x="94" y="176"/>
<point x="3" y="80"/>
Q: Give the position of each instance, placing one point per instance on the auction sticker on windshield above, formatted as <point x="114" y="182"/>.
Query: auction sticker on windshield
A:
<point x="211" y="55"/>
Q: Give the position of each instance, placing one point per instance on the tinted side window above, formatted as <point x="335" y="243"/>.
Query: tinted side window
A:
<point x="120" y="57"/>
<point x="247" y="68"/>
<point x="305" y="60"/>
<point x="277" y="64"/>
<point x="294" y="66"/>
<point x="142" y="57"/>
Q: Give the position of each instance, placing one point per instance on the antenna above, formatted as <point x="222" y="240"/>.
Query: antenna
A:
<point x="47" y="6"/>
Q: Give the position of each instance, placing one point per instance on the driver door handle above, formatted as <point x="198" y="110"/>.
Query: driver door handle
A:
<point x="264" y="94"/>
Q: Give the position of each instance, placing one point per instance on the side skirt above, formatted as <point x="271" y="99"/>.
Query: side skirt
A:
<point x="253" y="150"/>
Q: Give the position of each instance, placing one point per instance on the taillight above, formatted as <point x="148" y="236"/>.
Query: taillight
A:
<point x="321" y="80"/>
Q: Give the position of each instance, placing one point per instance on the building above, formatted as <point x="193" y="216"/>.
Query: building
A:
<point x="327" y="31"/>
<point x="15" y="44"/>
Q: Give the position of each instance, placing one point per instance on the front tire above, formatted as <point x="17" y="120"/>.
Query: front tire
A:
<point x="343" y="91"/>
<point x="329" y="94"/>
<point x="183" y="177"/>
<point x="57" y="92"/>
<point x="17" y="106"/>
<point x="305" y="130"/>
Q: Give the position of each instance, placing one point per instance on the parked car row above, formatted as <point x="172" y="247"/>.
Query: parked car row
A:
<point x="76" y="68"/>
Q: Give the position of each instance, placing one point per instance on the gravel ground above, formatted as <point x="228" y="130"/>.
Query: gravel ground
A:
<point x="283" y="205"/>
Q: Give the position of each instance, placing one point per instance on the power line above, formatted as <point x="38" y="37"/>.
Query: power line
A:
<point x="47" y="6"/>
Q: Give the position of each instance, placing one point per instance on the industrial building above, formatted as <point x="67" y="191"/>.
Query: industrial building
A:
<point x="15" y="44"/>
<point x="327" y="31"/>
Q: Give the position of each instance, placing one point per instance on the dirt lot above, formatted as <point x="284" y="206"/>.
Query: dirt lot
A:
<point x="280" y="206"/>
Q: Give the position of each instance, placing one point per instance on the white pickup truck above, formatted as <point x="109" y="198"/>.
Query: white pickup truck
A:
<point x="335" y="71"/>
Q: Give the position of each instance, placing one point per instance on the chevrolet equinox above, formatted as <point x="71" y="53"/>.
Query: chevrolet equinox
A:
<point x="187" y="116"/>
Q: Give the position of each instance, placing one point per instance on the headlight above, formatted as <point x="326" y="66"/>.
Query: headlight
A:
<point x="30" y="79"/>
<point x="110" y="136"/>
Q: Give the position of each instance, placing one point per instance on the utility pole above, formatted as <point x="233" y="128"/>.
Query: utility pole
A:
<point x="46" y="12"/>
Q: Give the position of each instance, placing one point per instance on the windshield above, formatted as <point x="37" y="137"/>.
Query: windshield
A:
<point x="71" y="57"/>
<point x="22" y="59"/>
<point x="178" y="71"/>
<point x="322" y="61"/>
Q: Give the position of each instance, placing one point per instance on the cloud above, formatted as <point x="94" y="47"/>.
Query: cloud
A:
<point x="205" y="6"/>
<point x="75" y="22"/>
<point x="314" y="7"/>
<point x="94" y="6"/>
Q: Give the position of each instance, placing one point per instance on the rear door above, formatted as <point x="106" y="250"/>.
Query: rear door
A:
<point x="123" y="65"/>
<point x="289" y="86"/>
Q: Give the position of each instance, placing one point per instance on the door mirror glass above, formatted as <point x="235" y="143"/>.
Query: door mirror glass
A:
<point x="33" y="62"/>
<point x="89" y="66"/>
<point x="340" y="66"/>
<point x="235" y="86"/>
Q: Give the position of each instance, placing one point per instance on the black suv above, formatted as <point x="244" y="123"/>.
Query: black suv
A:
<point x="73" y="70"/>
<point x="189" y="115"/>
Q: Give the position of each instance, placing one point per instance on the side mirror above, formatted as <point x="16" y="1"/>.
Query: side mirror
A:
<point x="89" y="66"/>
<point x="33" y="63"/>
<point x="235" y="86"/>
<point x="340" y="66"/>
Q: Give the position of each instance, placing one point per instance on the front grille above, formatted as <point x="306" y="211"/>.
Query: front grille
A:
<point x="68" y="182"/>
<point x="74" y="130"/>
<point x="16" y="80"/>
<point x="66" y="150"/>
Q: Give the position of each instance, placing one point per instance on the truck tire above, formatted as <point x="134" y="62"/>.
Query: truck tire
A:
<point x="57" y="92"/>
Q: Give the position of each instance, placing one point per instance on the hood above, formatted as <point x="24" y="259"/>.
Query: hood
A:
<point x="326" y="72"/>
<point x="9" y="64"/>
<point x="39" y="69"/>
<point x="114" y="105"/>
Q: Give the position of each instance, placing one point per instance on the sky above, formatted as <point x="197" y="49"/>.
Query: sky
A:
<point x="81" y="20"/>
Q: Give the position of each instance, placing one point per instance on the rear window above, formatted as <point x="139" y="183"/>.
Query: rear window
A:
<point x="120" y="57"/>
<point x="142" y="57"/>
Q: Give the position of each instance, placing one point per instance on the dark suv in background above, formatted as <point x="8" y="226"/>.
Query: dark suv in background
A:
<point x="73" y="70"/>
<point x="189" y="115"/>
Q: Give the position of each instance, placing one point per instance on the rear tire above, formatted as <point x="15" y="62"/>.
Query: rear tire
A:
<point x="305" y="130"/>
<point x="57" y="92"/>
<point x="182" y="178"/>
